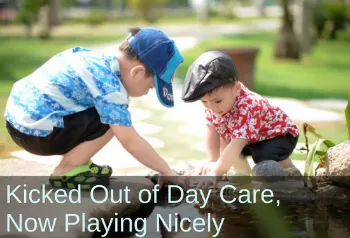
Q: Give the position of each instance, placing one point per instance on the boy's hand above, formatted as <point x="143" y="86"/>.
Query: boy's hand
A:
<point x="207" y="168"/>
<point x="207" y="181"/>
<point x="173" y="178"/>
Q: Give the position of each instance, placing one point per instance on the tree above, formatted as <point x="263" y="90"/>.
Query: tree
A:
<point x="287" y="45"/>
<point x="147" y="10"/>
<point x="47" y="11"/>
<point x="28" y="14"/>
<point x="260" y="5"/>
<point x="304" y="25"/>
<point x="49" y="16"/>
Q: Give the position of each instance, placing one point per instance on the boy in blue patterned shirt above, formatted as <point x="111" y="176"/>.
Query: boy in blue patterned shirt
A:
<point x="78" y="100"/>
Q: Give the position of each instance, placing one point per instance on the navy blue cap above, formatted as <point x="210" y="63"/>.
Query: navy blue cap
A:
<point x="161" y="56"/>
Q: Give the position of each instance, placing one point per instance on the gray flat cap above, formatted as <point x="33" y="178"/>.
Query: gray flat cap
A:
<point x="211" y="69"/>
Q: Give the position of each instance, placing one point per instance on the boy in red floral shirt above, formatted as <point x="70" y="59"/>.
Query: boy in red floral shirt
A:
<point x="240" y="122"/>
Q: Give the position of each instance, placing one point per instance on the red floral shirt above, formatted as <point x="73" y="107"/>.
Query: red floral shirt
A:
<point x="253" y="118"/>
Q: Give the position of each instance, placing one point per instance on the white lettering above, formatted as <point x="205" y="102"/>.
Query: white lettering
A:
<point x="42" y="195"/>
<point x="167" y="95"/>
<point x="31" y="224"/>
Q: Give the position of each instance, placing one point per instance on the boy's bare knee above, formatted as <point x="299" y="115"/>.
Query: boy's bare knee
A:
<point x="287" y="163"/>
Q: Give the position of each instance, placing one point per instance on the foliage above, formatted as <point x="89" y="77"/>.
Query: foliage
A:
<point x="29" y="10"/>
<point x="317" y="150"/>
<point x="330" y="18"/>
<point x="96" y="17"/>
<point x="347" y="116"/>
<point x="148" y="10"/>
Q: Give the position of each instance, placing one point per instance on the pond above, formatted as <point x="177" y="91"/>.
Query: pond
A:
<point x="287" y="220"/>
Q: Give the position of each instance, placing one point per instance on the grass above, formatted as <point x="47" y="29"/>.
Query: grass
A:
<point x="19" y="56"/>
<point x="322" y="74"/>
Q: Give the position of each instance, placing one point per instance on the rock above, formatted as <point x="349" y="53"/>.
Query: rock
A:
<point x="321" y="176"/>
<point x="291" y="172"/>
<point x="268" y="170"/>
<point x="321" y="172"/>
<point x="338" y="163"/>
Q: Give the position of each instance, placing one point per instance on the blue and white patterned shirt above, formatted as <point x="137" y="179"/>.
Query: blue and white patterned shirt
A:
<point x="71" y="81"/>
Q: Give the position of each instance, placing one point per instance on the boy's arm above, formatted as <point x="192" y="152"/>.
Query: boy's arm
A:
<point x="140" y="149"/>
<point x="213" y="144"/>
<point x="229" y="156"/>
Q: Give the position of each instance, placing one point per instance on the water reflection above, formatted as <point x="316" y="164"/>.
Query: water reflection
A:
<point x="299" y="220"/>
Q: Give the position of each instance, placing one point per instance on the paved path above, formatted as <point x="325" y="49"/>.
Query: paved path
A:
<point x="122" y="161"/>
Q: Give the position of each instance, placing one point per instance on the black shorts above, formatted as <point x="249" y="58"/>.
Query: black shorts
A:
<point x="277" y="149"/>
<point x="78" y="128"/>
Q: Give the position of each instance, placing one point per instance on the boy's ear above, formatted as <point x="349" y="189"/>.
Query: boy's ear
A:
<point x="137" y="70"/>
<point x="236" y="87"/>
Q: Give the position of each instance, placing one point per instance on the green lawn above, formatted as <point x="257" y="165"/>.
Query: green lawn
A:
<point x="324" y="73"/>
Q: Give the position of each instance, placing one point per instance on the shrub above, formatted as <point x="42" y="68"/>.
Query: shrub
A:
<point x="334" y="15"/>
<point x="147" y="10"/>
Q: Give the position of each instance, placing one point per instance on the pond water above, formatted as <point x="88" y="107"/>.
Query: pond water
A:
<point x="290" y="220"/>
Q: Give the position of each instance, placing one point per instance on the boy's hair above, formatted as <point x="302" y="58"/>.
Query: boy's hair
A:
<point x="129" y="52"/>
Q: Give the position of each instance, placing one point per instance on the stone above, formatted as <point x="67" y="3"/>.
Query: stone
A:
<point x="321" y="172"/>
<point x="290" y="172"/>
<point x="321" y="176"/>
<point x="338" y="163"/>
<point x="268" y="170"/>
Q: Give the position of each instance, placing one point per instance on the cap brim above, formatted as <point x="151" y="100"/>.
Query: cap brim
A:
<point x="164" y="83"/>
<point x="164" y="92"/>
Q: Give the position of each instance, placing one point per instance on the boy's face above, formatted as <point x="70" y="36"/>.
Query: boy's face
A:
<point x="221" y="100"/>
<point x="139" y="83"/>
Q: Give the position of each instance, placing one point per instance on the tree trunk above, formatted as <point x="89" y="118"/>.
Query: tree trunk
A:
<point x="204" y="11"/>
<point x="29" y="25"/>
<point x="28" y="30"/>
<point x="44" y="22"/>
<point x="287" y="45"/>
<point x="49" y="16"/>
<point x="260" y="5"/>
<point x="304" y="25"/>
<point x="124" y="5"/>
<point x="55" y="16"/>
